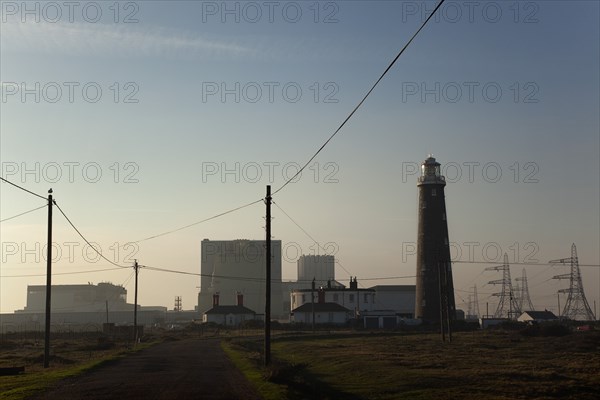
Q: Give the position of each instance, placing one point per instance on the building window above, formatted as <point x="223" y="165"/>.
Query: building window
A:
<point x="433" y="192"/>
<point x="351" y="298"/>
<point x="303" y="298"/>
<point x="366" y="298"/>
<point x="336" y="297"/>
<point x="443" y="216"/>
<point x="446" y="241"/>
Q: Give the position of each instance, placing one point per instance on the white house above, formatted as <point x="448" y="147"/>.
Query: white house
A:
<point x="230" y="315"/>
<point x="354" y="299"/>
<point x="537" y="316"/>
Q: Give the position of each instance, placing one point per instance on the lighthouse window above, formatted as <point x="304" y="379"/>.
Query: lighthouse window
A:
<point x="443" y="216"/>
<point x="433" y="192"/>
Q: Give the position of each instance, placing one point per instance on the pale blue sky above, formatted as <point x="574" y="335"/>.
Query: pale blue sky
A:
<point x="170" y="53"/>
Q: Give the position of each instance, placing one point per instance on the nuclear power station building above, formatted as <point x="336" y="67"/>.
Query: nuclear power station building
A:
<point x="434" y="298"/>
<point x="237" y="267"/>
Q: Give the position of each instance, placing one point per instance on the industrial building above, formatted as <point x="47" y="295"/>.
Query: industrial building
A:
<point x="321" y="268"/>
<point x="229" y="267"/>
<point x="79" y="308"/>
<point x="78" y="298"/>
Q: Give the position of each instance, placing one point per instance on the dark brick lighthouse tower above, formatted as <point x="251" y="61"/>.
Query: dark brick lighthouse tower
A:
<point x="434" y="300"/>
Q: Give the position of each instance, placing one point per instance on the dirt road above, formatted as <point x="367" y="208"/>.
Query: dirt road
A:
<point x="186" y="369"/>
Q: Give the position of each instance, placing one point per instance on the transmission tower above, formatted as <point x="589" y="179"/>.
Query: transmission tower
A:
<point x="473" y="305"/>
<point x="507" y="305"/>
<point x="576" y="306"/>
<point x="524" y="301"/>
<point x="177" y="303"/>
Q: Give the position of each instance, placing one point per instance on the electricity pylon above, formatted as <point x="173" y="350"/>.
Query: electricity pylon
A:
<point x="576" y="306"/>
<point x="524" y="301"/>
<point x="473" y="305"/>
<point x="507" y="305"/>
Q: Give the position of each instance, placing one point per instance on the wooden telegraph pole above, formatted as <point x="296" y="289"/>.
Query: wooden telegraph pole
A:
<point x="268" y="282"/>
<point x="48" y="284"/>
<point x="135" y="326"/>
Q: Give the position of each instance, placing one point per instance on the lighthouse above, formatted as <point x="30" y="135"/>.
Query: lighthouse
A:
<point x="434" y="301"/>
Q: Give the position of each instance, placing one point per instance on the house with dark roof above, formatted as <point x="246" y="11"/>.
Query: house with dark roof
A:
<point x="228" y="315"/>
<point x="537" y="316"/>
<point x="325" y="313"/>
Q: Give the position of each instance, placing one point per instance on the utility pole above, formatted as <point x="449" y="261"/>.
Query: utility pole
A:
<point x="268" y="282"/>
<point x="558" y="300"/>
<point x="442" y="330"/>
<point x="135" y="326"/>
<point x="312" y="303"/>
<point x="449" y="317"/>
<point x="48" y="284"/>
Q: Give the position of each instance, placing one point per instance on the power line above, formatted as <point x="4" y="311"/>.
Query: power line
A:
<point x="61" y="273"/>
<point x="83" y="237"/>
<point x="363" y="99"/>
<point x="22" y="188"/>
<point x="23" y="213"/>
<point x="388" y="277"/>
<point x="517" y="263"/>
<point x="251" y="279"/>
<point x="308" y="234"/>
<point x="199" y="222"/>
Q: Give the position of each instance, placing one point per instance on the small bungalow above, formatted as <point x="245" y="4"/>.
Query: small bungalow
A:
<point x="228" y="315"/>
<point x="534" y="317"/>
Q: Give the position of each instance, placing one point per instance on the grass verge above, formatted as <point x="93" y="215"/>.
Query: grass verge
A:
<point x="382" y="366"/>
<point x="248" y="363"/>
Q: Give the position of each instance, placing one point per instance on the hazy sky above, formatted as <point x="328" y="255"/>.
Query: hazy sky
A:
<point x="147" y="116"/>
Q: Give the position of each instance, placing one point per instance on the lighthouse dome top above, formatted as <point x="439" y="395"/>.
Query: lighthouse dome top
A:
<point x="430" y="172"/>
<point x="430" y="160"/>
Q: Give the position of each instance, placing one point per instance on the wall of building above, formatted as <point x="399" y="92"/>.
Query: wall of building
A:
<point x="76" y="321"/>
<point x="318" y="267"/>
<point x="321" y="317"/>
<point x="78" y="298"/>
<point x="227" y="319"/>
<point x="398" y="298"/>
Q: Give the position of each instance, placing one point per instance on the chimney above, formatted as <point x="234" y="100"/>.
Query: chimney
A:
<point x="321" y="295"/>
<point x="215" y="299"/>
<point x="240" y="299"/>
<point x="353" y="283"/>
